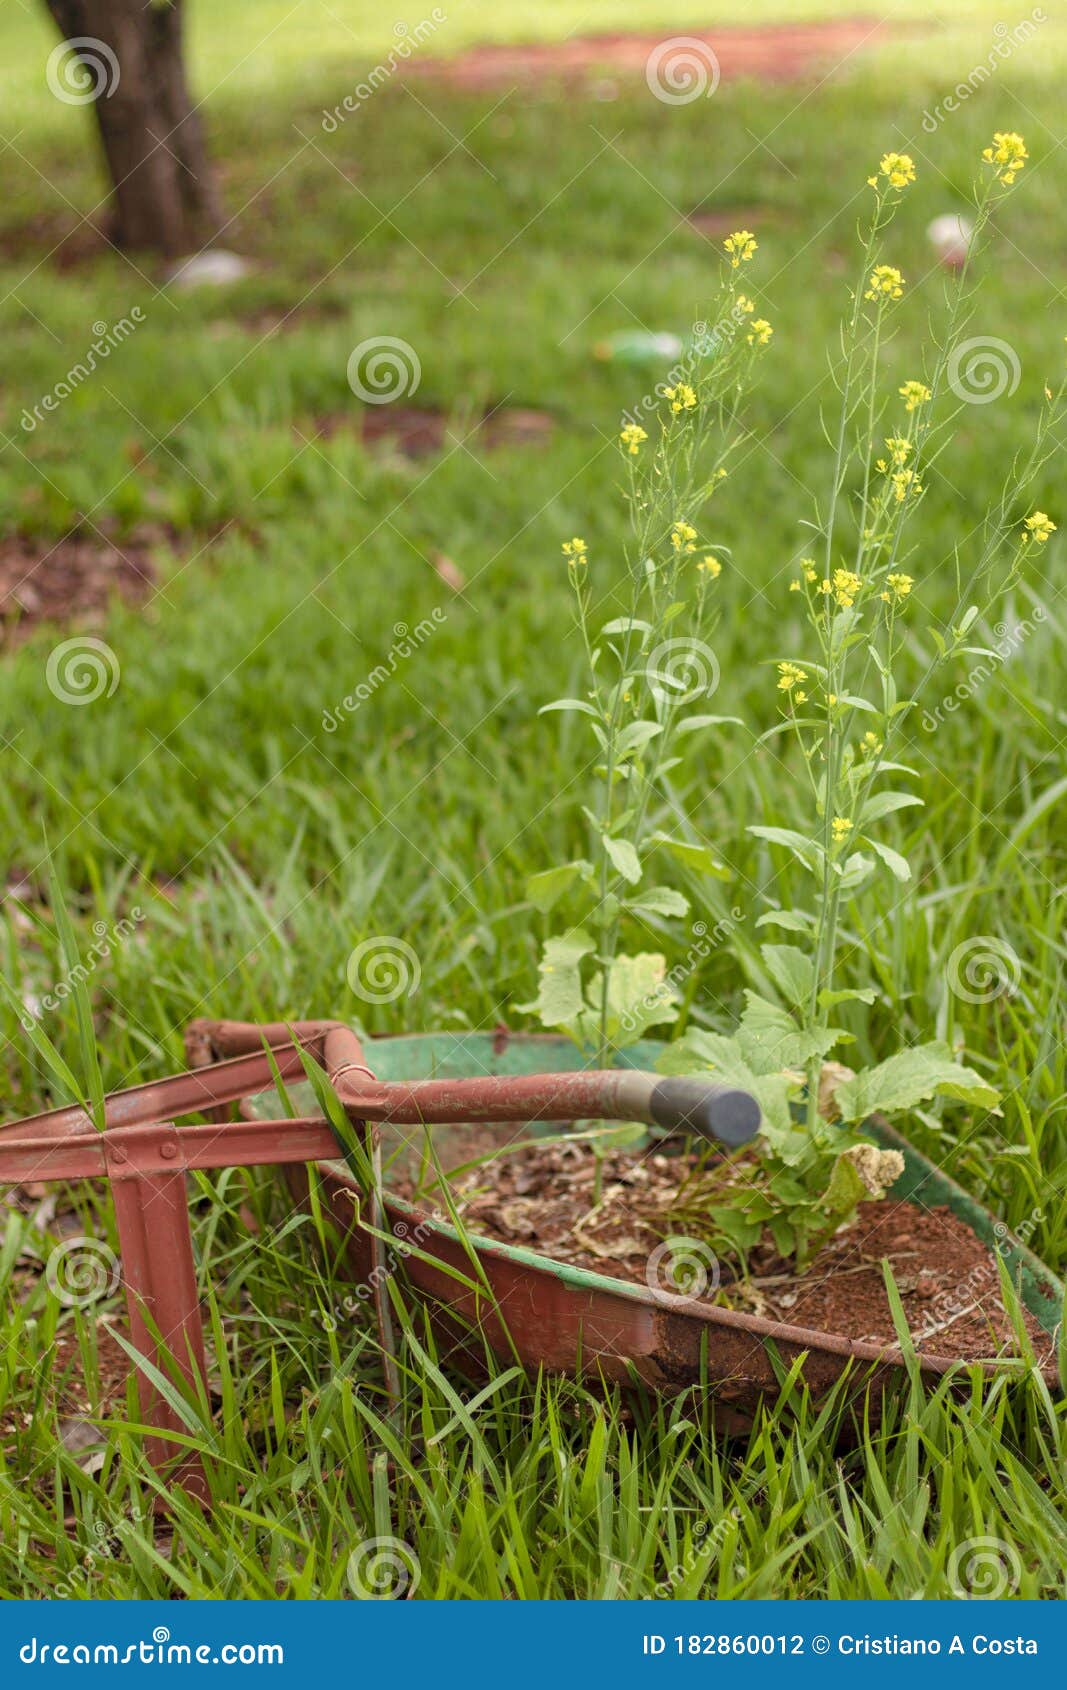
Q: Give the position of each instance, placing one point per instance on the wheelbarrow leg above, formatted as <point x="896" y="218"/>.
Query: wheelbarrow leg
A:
<point x="159" y="1276"/>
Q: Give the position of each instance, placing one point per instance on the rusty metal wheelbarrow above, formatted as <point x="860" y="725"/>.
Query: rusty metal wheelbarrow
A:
<point x="146" y="1154"/>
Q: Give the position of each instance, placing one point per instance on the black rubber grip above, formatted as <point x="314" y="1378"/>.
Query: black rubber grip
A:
<point x="691" y="1105"/>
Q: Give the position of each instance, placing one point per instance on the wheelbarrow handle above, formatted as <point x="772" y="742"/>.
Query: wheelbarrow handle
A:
<point x="722" y="1113"/>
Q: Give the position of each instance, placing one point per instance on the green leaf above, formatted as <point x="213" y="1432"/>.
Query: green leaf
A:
<point x="910" y="1078"/>
<point x="771" y="1039"/>
<point x="792" y="971"/>
<point x="639" y="995"/>
<point x="805" y="850"/>
<point x="83" y="1008"/>
<point x="42" y="1044"/>
<point x="547" y="888"/>
<point x="624" y="858"/>
<point x="855" y="870"/>
<point x="884" y="803"/>
<point x="635" y="736"/>
<point x="659" y="900"/>
<point x="559" y="1001"/>
<point x="853" y="994"/>
<point x="691" y="724"/>
<point x="893" y="860"/>
<point x="696" y="857"/>
<point x="794" y="921"/>
<point x="578" y="704"/>
<point x="844" y="1191"/>
<point x="626" y="624"/>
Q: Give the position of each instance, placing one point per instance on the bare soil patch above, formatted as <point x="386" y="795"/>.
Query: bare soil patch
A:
<point x="774" y="53"/>
<point x="59" y="580"/>
<point x="416" y="432"/>
<point x="542" y="1199"/>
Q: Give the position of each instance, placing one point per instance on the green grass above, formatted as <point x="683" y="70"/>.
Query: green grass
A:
<point x="261" y="848"/>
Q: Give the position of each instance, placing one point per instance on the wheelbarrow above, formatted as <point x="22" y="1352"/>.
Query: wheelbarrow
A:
<point x="146" y="1154"/>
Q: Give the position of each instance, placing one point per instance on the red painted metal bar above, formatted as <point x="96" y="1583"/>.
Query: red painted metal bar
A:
<point x="179" y="1094"/>
<point x="240" y="1144"/>
<point x="159" y="1278"/>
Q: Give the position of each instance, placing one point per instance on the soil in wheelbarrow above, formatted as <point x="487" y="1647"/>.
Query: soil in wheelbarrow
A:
<point x="542" y="1199"/>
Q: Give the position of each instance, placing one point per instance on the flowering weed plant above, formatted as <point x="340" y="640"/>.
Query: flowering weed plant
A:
<point x="842" y="710"/>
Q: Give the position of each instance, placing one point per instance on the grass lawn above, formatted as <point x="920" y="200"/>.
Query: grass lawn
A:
<point x="502" y="235"/>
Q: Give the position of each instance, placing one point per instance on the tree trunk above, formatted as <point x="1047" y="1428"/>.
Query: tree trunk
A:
<point x="163" y="196"/>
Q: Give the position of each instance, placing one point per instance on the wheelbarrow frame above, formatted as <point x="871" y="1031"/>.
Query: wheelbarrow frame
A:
<point x="146" y="1154"/>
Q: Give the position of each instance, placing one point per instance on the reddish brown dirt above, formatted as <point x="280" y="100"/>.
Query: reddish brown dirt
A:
<point x="53" y="581"/>
<point x="418" y="433"/>
<point x="541" y="1198"/>
<point x="777" y="53"/>
<point x="715" y="223"/>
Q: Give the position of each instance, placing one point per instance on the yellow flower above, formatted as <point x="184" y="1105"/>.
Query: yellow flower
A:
<point x="683" y="534"/>
<point x="800" y="698"/>
<point x="831" y="698"/>
<point x="682" y="397"/>
<point x="710" y="566"/>
<point x="826" y="587"/>
<point x="810" y="572"/>
<point x="886" y="282"/>
<point x="575" y="549"/>
<point x="1007" y="155"/>
<point x="904" y="482"/>
<point x="899" y="449"/>
<point x="740" y="245"/>
<point x="790" y="675"/>
<point x="900" y="585"/>
<point x="1038" y="527"/>
<point x="794" y="586"/>
<point x="872" y="742"/>
<point x="760" y="332"/>
<point x="914" y="394"/>
<point x="897" y="168"/>
<point x="846" y="585"/>
<point x="841" y="828"/>
<point x="743" y="305"/>
<point x="631" y="437"/>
